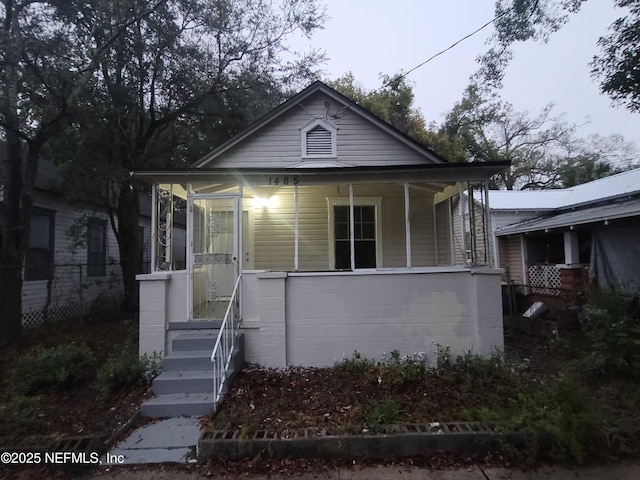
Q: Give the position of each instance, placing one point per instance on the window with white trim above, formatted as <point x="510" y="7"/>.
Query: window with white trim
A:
<point x="39" y="254"/>
<point x="319" y="140"/>
<point x="96" y="247"/>
<point x="366" y="233"/>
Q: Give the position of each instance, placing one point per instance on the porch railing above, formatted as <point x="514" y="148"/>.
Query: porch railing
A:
<point x="223" y="348"/>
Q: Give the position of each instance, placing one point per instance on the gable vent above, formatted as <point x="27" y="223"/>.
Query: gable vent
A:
<point x="319" y="142"/>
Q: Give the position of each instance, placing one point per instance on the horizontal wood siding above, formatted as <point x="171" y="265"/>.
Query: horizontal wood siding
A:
<point x="443" y="231"/>
<point x="72" y="291"/>
<point x="510" y="255"/>
<point x="274" y="232"/>
<point x="279" y="143"/>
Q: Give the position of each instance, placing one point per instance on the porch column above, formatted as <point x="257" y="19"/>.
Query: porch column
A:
<point x="352" y="229"/>
<point x="571" y="248"/>
<point x="407" y="224"/>
<point x="463" y="239"/>
<point x="296" y="228"/>
<point x="273" y="332"/>
<point x="153" y="312"/>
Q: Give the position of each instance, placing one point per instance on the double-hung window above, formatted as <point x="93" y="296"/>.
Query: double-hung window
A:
<point x="366" y="233"/>
<point x="39" y="257"/>
<point x="96" y="247"/>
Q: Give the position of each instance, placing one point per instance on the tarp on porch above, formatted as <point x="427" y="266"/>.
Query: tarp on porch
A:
<point x="615" y="258"/>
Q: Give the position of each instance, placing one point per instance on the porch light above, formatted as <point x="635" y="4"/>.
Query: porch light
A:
<point x="268" y="203"/>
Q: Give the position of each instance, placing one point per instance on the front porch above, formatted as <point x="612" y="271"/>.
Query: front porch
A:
<point x="318" y="318"/>
<point x="325" y="268"/>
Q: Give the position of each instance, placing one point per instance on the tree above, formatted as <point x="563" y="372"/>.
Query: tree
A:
<point x="596" y="157"/>
<point x="36" y="85"/>
<point x="393" y="103"/>
<point x="167" y="86"/>
<point x="543" y="150"/>
<point x="616" y="67"/>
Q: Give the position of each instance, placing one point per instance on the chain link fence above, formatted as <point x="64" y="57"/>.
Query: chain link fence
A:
<point x="69" y="291"/>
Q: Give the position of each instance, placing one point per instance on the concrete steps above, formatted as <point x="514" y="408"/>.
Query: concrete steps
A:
<point x="185" y="386"/>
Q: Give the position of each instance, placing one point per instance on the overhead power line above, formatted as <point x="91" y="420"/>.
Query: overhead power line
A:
<point x="453" y="45"/>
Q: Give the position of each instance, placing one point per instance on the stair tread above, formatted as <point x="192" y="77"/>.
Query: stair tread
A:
<point x="185" y="374"/>
<point x="181" y="399"/>
<point x="196" y="336"/>
<point x="189" y="354"/>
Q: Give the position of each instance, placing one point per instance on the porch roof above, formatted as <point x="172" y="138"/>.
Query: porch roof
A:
<point x="572" y="218"/>
<point x="427" y="173"/>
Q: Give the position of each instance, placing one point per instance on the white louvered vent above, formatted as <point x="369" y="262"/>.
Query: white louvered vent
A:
<point x="319" y="142"/>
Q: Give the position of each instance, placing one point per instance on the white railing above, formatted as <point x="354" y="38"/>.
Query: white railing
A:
<point x="223" y="348"/>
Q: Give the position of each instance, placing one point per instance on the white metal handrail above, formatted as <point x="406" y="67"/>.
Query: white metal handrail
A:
<point x="223" y="348"/>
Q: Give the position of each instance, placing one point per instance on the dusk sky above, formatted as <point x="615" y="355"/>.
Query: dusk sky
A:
<point x="369" y="37"/>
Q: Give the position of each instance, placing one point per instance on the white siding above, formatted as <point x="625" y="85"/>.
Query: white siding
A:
<point x="274" y="232"/>
<point x="72" y="292"/>
<point x="279" y="143"/>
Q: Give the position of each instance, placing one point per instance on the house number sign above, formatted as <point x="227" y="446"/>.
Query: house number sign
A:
<point x="285" y="180"/>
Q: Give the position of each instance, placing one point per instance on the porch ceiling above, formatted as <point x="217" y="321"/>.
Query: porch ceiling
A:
<point x="428" y="173"/>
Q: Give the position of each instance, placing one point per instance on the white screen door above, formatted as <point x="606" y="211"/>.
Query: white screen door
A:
<point x="213" y="265"/>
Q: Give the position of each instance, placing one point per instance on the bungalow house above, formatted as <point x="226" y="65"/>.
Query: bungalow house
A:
<point x="552" y="241"/>
<point x="318" y="231"/>
<point x="69" y="274"/>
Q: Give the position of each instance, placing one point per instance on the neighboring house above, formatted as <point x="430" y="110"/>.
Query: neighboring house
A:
<point x="552" y="241"/>
<point x="337" y="229"/>
<point x="72" y="264"/>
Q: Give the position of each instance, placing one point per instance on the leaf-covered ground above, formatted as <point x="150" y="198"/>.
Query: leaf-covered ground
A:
<point x="83" y="409"/>
<point x="530" y="385"/>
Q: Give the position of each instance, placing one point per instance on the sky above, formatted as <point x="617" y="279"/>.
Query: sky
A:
<point x="370" y="37"/>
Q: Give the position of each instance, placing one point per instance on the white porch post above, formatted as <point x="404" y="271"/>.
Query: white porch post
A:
<point x="490" y="247"/>
<point x="154" y="227"/>
<point x="571" y="248"/>
<point x="296" y="228"/>
<point x="462" y="229"/>
<point x="352" y="229"/>
<point x="407" y="224"/>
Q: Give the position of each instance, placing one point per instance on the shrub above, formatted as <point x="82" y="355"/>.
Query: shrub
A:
<point x="613" y="333"/>
<point x="17" y="413"/>
<point x="356" y="364"/>
<point x="384" y="412"/>
<point x="559" y="420"/>
<point x="127" y="369"/>
<point x="62" y="367"/>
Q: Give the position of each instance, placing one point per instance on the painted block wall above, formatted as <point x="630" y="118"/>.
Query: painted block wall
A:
<point x="329" y="318"/>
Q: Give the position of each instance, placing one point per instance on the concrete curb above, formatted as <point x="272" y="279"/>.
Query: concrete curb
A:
<point x="395" y="441"/>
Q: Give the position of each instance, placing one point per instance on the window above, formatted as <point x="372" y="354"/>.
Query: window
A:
<point x="39" y="258"/>
<point x="364" y="224"/>
<point x="96" y="247"/>
<point x="319" y="140"/>
<point x="366" y="230"/>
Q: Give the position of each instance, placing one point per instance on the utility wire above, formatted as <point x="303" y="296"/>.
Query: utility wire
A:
<point x="405" y="74"/>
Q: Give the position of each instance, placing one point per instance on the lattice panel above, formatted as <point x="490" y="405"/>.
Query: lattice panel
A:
<point x="32" y="317"/>
<point x="544" y="279"/>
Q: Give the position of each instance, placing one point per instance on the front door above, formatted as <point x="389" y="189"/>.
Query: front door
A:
<point x="213" y="260"/>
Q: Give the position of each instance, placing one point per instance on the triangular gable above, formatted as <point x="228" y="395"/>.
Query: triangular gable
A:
<point x="298" y="133"/>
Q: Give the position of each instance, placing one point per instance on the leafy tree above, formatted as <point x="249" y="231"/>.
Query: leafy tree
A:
<point x="41" y="78"/>
<point x="616" y="66"/>
<point x="543" y="150"/>
<point x="393" y="103"/>
<point x="596" y="157"/>
<point x="179" y="80"/>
